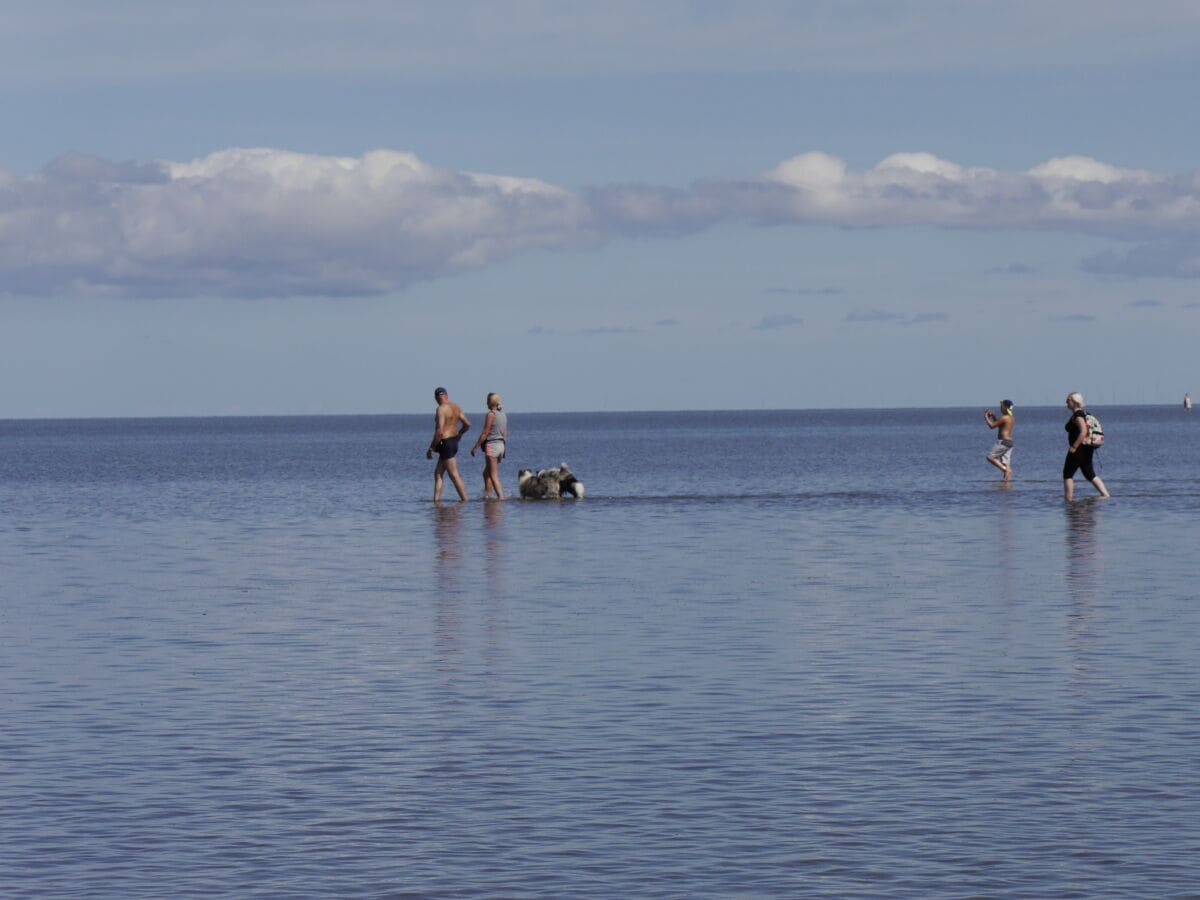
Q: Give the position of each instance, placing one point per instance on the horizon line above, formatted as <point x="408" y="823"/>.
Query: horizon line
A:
<point x="547" y="412"/>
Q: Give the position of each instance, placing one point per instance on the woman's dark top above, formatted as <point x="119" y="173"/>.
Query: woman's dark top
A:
<point x="1074" y="429"/>
<point x="1081" y="459"/>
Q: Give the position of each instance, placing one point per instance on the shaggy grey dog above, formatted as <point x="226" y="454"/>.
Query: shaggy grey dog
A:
<point x="549" y="484"/>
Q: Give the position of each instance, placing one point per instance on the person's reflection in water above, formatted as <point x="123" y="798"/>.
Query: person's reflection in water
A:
<point x="1005" y="542"/>
<point x="446" y="527"/>
<point x="452" y="680"/>
<point x="495" y="583"/>
<point x="1084" y="570"/>
<point x="493" y="546"/>
<point x="447" y="583"/>
<point x="1084" y="556"/>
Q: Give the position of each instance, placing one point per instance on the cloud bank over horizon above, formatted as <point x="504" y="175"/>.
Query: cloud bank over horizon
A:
<point x="263" y="222"/>
<point x="275" y="223"/>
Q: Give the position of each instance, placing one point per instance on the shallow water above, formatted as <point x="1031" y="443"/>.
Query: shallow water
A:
<point x="780" y="654"/>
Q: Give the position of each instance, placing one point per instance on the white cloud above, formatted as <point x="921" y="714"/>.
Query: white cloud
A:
<point x="1069" y="194"/>
<point x="921" y="163"/>
<point x="919" y="188"/>
<point x="817" y="173"/>
<point x="270" y="222"/>
<point x="1068" y="169"/>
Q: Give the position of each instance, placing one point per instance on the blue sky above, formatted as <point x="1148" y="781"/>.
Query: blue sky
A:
<point x="274" y="207"/>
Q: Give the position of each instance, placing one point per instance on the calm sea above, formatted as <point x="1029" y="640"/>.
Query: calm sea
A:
<point x="772" y="654"/>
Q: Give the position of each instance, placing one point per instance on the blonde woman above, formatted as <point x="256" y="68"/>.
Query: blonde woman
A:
<point x="1079" y="449"/>
<point x="493" y="439"/>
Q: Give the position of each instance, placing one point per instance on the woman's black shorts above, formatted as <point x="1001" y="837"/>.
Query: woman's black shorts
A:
<point x="1080" y="460"/>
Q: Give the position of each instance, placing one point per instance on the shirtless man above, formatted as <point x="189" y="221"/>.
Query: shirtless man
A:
<point x="1000" y="455"/>
<point x="449" y="424"/>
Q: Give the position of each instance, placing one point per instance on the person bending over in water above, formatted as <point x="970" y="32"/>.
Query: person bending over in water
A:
<point x="1079" y="449"/>
<point x="493" y="440"/>
<point x="1000" y="455"/>
<point x="449" y="424"/>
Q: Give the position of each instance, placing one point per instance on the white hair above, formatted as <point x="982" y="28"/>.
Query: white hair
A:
<point x="1076" y="398"/>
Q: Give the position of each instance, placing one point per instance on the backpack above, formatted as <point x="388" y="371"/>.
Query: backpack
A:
<point x="1095" y="431"/>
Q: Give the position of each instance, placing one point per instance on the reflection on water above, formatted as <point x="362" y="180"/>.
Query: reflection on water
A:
<point x="494" y="581"/>
<point x="493" y="544"/>
<point x="447" y="581"/>
<point x="1084" y="557"/>
<point x="447" y="526"/>
<point x="252" y="652"/>
<point x="1084" y="566"/>
<point x="1006" y="543"/>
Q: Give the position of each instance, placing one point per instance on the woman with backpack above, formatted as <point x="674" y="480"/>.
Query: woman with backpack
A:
<point x="1081" y="445"/>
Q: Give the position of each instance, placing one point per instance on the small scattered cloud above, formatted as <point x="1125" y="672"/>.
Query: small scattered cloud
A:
<point x="538" y="329"/>
<point x="923" y="318"/>
<point x="1145" y="304"/>
<point x="609" y="329"/>
<point x="883" y="316"/>
<point x="806" y="292"/>
<point x="666" y="323"/>
<point x="1015" y="268"/>
<point x="1190" y="305"/>
<point x="873" y="315"/>
<point x="1073" y="318"/>
<point x="780" y="320"/>
<point x="1170" y="258"/>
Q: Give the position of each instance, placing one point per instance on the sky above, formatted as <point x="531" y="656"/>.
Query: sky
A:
<point x="273" y="207"/>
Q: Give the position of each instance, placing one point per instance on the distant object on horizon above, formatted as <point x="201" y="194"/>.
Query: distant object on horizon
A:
<point x="1187" y="402"/>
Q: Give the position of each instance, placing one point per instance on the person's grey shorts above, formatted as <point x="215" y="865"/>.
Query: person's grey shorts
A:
<point x="1001" y="452"/>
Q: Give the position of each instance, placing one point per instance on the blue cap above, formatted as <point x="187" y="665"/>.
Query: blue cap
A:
<point x="440" y="390"/>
